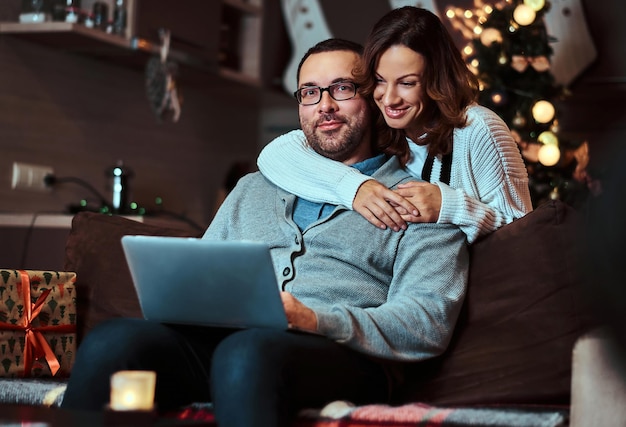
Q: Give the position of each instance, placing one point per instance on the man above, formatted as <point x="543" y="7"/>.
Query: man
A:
<point x="374" y="299"/>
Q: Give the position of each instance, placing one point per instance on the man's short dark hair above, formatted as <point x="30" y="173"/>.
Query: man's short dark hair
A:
<point x="330" y="45"/>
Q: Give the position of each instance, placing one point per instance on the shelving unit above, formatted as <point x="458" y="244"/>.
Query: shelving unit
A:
<point x="230" y="46"/>
<point x="240" y="37"/>
<point x="70" y="30"/>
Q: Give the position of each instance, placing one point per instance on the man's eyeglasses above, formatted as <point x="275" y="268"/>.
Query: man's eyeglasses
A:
<point x="311" y="95"/>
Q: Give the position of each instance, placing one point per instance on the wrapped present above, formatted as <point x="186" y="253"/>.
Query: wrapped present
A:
<point x="37" y="323"/>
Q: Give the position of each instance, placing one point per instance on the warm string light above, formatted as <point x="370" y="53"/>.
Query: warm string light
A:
<point x="535" y="5"/>
<point x="524" y="15"/>
<point x="548" y="138"/>
<point x="490" y="36"/>
<point x="543" y="111"/>
<point x="468" y="21"/>
<point x="471" y="24"/>
<point x="460" y="22"/>
<point x="549" y="155"/>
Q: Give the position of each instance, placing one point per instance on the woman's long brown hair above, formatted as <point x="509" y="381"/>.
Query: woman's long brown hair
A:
<point x="449" y="85"/>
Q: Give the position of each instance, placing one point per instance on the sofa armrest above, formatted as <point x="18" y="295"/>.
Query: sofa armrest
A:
<point x="598" y="382"/>
<point x="103" y="282"/>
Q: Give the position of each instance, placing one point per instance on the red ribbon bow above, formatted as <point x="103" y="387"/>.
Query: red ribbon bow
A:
<point x="35" y="345"/>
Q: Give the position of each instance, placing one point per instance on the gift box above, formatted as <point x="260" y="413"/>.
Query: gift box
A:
<point x="37" y="323"/>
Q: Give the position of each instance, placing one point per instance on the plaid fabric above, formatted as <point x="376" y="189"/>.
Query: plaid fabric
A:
<point x="343" y="414"/>
<point x="32" y="391"/>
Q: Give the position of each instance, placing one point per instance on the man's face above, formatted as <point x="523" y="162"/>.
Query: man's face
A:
<point x="339" y="130"/>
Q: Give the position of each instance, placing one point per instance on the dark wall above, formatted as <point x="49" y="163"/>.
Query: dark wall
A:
<point x="80" y="115"/>
<point x="596" y="111"/>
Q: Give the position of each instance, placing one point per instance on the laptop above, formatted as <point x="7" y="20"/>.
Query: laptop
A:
<point x="193" y="281"/>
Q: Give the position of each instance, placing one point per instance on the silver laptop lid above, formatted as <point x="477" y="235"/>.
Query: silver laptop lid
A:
<point x="203" y="282"/>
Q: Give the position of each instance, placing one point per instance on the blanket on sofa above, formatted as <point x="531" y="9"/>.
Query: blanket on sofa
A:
<point x="49" y="392"/>
<point x="343" y="414"/>
<point x="32" y="391"/>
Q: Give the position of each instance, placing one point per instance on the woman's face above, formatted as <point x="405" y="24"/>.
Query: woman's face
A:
<point x="399" y="92"/>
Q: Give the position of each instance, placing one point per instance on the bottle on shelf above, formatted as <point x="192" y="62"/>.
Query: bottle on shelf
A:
<point x="119" y="17"/>
<point x="100" y="15"/>
<point x="72" y="11"/>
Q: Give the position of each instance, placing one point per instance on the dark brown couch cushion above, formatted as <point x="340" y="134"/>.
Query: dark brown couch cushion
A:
<point x="94" y="251"/>
<point x="523" y="313"/>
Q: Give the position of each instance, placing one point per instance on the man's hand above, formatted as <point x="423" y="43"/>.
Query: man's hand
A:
<point x="424" y="195"/>
<point x="298" y="314"/>
<point x="374" y="202"/>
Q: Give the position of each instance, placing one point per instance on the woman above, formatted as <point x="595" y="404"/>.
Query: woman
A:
<point x="474" y="173"/>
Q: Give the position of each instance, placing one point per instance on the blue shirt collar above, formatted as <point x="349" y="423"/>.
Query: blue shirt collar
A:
<point x="306" y="212"/>
<point x="371" y="165"/>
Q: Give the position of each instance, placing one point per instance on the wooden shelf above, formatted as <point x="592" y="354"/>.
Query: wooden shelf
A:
<point x="251" y="7"/>
<point x="63" y="27"/>
<point x="76" y="38"/>
<point x="238" y="59"/>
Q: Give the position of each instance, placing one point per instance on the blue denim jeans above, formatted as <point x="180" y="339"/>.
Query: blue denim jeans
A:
<point x="254" y="377"/>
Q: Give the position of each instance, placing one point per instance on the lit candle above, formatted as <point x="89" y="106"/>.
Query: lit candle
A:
<point x="132" y="390"/>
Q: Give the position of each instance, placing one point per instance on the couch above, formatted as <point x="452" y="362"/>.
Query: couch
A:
<point x="510" y="358"/>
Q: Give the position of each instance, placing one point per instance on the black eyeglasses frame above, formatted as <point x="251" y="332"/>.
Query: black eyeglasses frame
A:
<point x="298" y="94"/>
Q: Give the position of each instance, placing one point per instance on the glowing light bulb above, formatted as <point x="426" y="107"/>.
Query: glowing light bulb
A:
<point x="490" y="36"/>
<point x="548" y="138"/>
<point x="519" y="121"/>
<point x="535" y="5"/>
<point x="498" y="98"/>
<point x="524" y="15"/>
<point x="543" y="111"/>
<point x="549" y="155"/>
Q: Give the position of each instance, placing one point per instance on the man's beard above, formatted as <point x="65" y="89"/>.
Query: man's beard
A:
<point x="339" y="144"/>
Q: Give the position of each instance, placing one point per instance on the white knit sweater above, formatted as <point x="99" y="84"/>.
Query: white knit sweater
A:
<point x="488" y="181"/>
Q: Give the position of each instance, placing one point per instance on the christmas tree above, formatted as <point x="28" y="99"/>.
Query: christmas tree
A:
<point x="509" y="51"/>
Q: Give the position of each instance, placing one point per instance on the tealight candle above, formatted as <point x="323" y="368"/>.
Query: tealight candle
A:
<point x="132" y="390"/>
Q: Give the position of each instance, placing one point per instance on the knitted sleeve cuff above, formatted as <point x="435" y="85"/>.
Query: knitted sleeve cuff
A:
<point x="348" y="186"/>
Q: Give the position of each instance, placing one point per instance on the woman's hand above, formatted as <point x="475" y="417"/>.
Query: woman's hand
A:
<point x="298" y="314"/>
<point x="375" y="203"/>
<point x="424" y="195"/>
